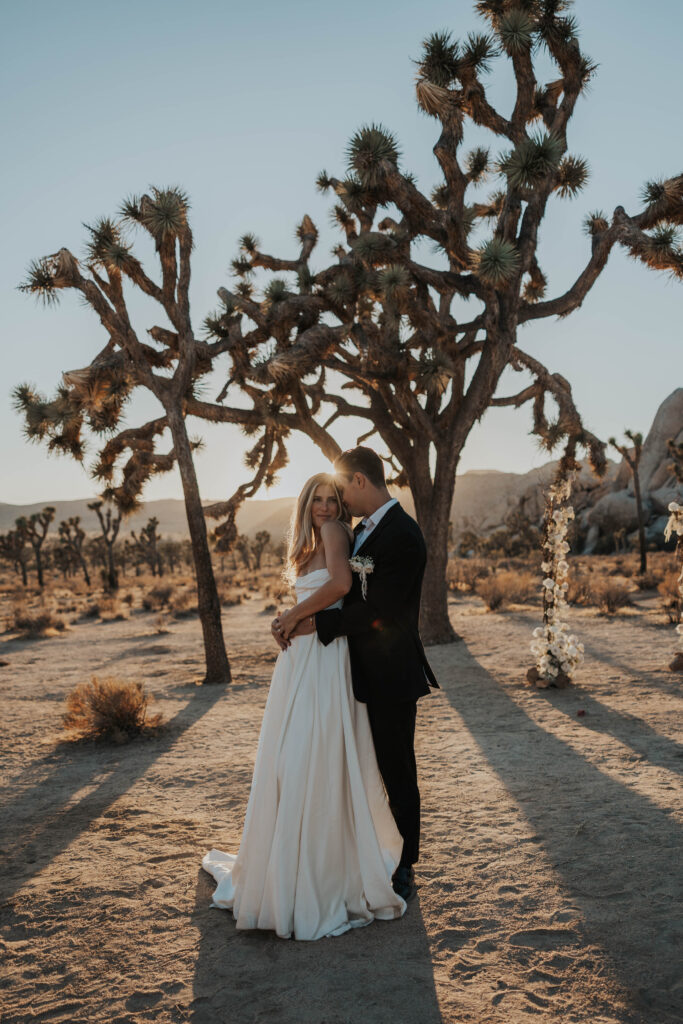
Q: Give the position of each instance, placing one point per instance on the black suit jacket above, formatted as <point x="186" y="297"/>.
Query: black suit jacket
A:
<point x="388" y="661"/>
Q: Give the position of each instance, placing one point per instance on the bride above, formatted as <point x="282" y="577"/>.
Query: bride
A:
<point x="319" y="844"/>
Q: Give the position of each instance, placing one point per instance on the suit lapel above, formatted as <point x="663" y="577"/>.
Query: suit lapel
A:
<point x="386" y="518"/>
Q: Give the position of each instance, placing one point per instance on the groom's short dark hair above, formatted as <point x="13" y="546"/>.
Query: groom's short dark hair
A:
<point x="361" y="460"/>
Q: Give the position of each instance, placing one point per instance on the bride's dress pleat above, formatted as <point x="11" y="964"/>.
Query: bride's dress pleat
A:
<point x="319" y="844"/>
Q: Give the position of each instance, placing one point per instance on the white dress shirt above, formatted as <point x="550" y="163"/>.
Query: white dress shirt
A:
<point x="370" y="522"/>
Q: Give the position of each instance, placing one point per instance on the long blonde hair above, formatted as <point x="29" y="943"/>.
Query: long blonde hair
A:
<point x="300" y="537"/>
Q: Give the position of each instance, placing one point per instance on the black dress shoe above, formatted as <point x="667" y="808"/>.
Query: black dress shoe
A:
<point x="403" y="883"/>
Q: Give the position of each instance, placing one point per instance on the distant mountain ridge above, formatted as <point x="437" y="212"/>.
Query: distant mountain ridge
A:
<point x="480" y="494"/>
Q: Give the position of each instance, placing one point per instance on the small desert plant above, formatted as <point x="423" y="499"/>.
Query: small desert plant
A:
<point x="36" y="623"/>
<point x="503" y="587"/>
<point x="609" y="596"/>
<point x="157" y="597"/>
<point x="232" y="597"/>
<point x="109" y="709"/>
<point x="463" y="574"/>
<point x="649" y="580"/>
<point x="579" y="589"/>
<point x="183" y="606"/>
<point x="669" y="590"/>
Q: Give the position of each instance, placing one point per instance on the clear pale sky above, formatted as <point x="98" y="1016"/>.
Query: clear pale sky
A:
<point x="242" y="105"/>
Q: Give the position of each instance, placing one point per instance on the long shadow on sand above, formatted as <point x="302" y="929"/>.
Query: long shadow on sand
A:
<point x="377" y="974"/>
<point x="35" y="829"/>
<point x="630" y="730"/>
<point x="624" y="868"/>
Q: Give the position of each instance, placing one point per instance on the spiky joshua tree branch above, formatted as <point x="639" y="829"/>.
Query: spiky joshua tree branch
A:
<point x="418" y="350"/>
<point x="170" y="365"/>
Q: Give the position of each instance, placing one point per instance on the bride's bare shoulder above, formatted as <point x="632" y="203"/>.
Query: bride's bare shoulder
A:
<point x="336" y="528"/>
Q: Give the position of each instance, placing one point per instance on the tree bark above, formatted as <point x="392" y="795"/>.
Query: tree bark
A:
<point x="84" y="568"/>
<point x="112" y="575"/>
<point x="217" y="665"/>
<point x="432" y="508"/>
<point x="641" y="523"/>
<point x="39" y="566"/>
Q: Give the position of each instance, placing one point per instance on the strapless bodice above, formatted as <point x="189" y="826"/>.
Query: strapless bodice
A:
<point x="310" y="582"/>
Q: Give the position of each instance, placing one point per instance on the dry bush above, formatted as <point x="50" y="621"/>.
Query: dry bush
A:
<point x="579" y="589"/>
<point x="269" y="608"/>
<point x="609" y="596"/>
<point x="109" y="709"/>
<point x="128" y="599"/>
<point x="504" y="587"/>
<point x="624" y="566"/>
<point x="107" y="608"/>
<point x="183" y="606"/>
<point x="157" y="597"/>
<point x="649" y="580"/>
<point x="42" y="622"/>
<point x="230" y="598"/>
<point x="276" y="588"/>
<point x="670" y="593"/>
<point x="463" y="574"/>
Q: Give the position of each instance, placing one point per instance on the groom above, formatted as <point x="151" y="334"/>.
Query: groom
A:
<point x="389" y="669"/>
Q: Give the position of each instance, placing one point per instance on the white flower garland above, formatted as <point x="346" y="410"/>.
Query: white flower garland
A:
<point x="675" y="525"/>
<point x="363" y="566"/>
<point x="558" y="652"/>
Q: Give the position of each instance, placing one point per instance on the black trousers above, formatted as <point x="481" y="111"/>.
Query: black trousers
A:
<point x="393" y="733"/>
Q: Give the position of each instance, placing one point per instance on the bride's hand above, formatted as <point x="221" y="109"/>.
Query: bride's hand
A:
<point x="275" y="629"/>
<point x="287" y="622"/>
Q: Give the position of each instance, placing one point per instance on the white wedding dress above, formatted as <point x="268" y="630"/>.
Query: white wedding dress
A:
<point x="320" y="843"/>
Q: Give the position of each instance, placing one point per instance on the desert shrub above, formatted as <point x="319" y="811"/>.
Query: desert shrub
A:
<point x="183" y="606"/>
<point x="231" y="597"/>
<point x="128" y="599"/>
<point x="270" y="608"/>
<point x="463" y="574"/>
<point x="579" y="589"/>
<point x="669" y="591"/>
<point x="157" y="597"/>
<point x="42" y="622"/>
<point x="623" y="567"/>
<point x="109" y="709"/>
<point x="91" y="611"/>
<point x="504" y="587"/>
<point x="609" y="596"/>
<point x="648" y="580"/>
<point x="275" y="588"/>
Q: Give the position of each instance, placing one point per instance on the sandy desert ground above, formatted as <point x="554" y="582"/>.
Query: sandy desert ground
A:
<point x="551" y="839"/>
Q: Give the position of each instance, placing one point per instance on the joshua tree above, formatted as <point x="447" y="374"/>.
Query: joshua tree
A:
<point x="418" y="350"/>
<point x="35" y="528"/>
<point x="96" y="396"/>
<point x="110" y="520"/>
<point x="13" y="549"/>
<point x="71" y="538"/>
<point x="243" y="545"/>
<point x="171" y="553"/>
<point x="259" y="545"/>
<point x="146" y="546"/>
<point x="632" y="458"/>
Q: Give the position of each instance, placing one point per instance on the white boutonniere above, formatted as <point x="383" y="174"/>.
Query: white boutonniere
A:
<point x="363" y="566"/>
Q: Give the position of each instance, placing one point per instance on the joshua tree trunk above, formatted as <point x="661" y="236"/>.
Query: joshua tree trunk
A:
<point x="432" y="508"/>
<point x="217" y="666"/>
<point x="632" y="459"/>
<point x="641" y="520"/>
